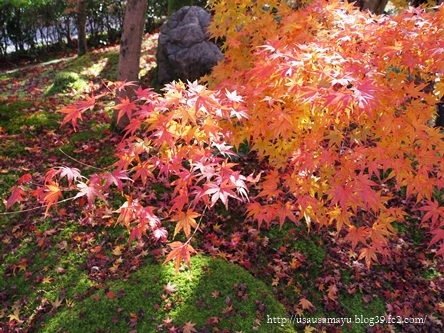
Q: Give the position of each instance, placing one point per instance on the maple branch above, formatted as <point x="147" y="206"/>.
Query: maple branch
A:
<point x="35" y="208"/>
<point x="108" y="88"/>
<point x="197" y="227"/>
<point x="194" y="231"/>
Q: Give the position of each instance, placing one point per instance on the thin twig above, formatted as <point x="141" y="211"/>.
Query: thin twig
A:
<point x="35" y="208"/>
<point x="85" y="164"/>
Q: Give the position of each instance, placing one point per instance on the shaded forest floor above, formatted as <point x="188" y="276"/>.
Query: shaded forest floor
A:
<point x="50" y="264"/>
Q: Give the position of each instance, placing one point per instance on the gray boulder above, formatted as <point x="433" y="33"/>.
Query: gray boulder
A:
<point x="184" y="50"/>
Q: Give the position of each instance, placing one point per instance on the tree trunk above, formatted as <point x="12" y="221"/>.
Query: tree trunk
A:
<point x="175" y="5"/>
<point x="130" y="48"/>
<point x="374" y="6"/>
<point x="81" y="27"/>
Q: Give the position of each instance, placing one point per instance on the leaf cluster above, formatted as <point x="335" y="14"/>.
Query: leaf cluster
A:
<point x="335" y="104"/>
<point x="340" y="106"/>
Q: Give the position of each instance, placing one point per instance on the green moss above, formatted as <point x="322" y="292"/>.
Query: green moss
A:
<point x="64" y="81"/>
<point x="431" y="273"/>
<point x="346" y="276"/>
<point x="11" y="148"/>
<point x="104" y="159"/>
<point x="17" y="115"/>
<point x="357" y="309"/>
<point x="205" y="291"/>
<point x="308" y="244"/>
<point x="175" y="5"/>
<point x="412" y="229"/>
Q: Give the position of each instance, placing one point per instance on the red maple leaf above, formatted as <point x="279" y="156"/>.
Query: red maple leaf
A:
<point x="342" y="194"/>
<point x="189" y="327"/>
<point x="88" y="103"/>
<point x="132" y="127"/>
<point x="143" y="171"/>
<point x="160" y="234"/>
<point x="24" y="179"/>
<point x="435" y="212"/>
<point x="70" y="173"/>
<point x="115" y="178"/>
<point x="16" y="196"/>
<point x="121" y="85"/>
<point x="439" y="236"/>
<point x="127" y="213"/>
<point x="222" y="192"/>
<point x="91" y="191"/>
<point x="110" y="295"/>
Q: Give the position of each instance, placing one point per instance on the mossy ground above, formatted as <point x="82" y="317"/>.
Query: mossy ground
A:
<point x="312" y="247"/>
<point x="211" y="289"/>
<point x="24" y="117"/>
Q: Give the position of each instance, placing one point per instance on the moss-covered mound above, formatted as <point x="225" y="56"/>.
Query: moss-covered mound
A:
<point x="64" y="81"/>
<point x="214" y="295"/>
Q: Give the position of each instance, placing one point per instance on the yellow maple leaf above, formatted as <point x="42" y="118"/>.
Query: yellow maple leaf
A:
<point x="70" y="303"/>
<point x="57" y="303"/>
<point x="15" y="316"/>
<point x="439" y="89"/>
<point x="22" y="265"/>
<point x="308" y="329"/>
<point x="47" y="279"/>
<point x="117" y="251"/>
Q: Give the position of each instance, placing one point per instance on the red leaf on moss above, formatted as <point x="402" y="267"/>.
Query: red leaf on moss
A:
<point x="189" y="327"/>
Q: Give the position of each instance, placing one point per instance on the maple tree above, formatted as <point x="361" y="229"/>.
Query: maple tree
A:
<point x="332" y="105"/>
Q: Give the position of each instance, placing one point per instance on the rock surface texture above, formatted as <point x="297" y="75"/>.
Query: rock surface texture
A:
<point x="184" y="51"/>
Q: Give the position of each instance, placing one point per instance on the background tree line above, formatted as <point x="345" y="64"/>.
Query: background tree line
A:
<point x="26" y="25"/>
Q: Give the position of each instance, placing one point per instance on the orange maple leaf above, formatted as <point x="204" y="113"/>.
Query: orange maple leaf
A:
<point x="22" y="265"/>
<point x="88" y="103"/>
<point x="332" y="292"/>
<point x="126" y="106"/>
<point x="369" y="254"/>
<point x="185" y="221"/>
<point x="305" y="303"/>
<point x="52" y="196"/>
<point x="180" y="252"/>
<point x="356" y="235"/>
<point x="72" y="114"/>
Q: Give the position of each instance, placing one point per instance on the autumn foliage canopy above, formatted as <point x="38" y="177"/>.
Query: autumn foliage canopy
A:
<point x="321" y="115"/>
